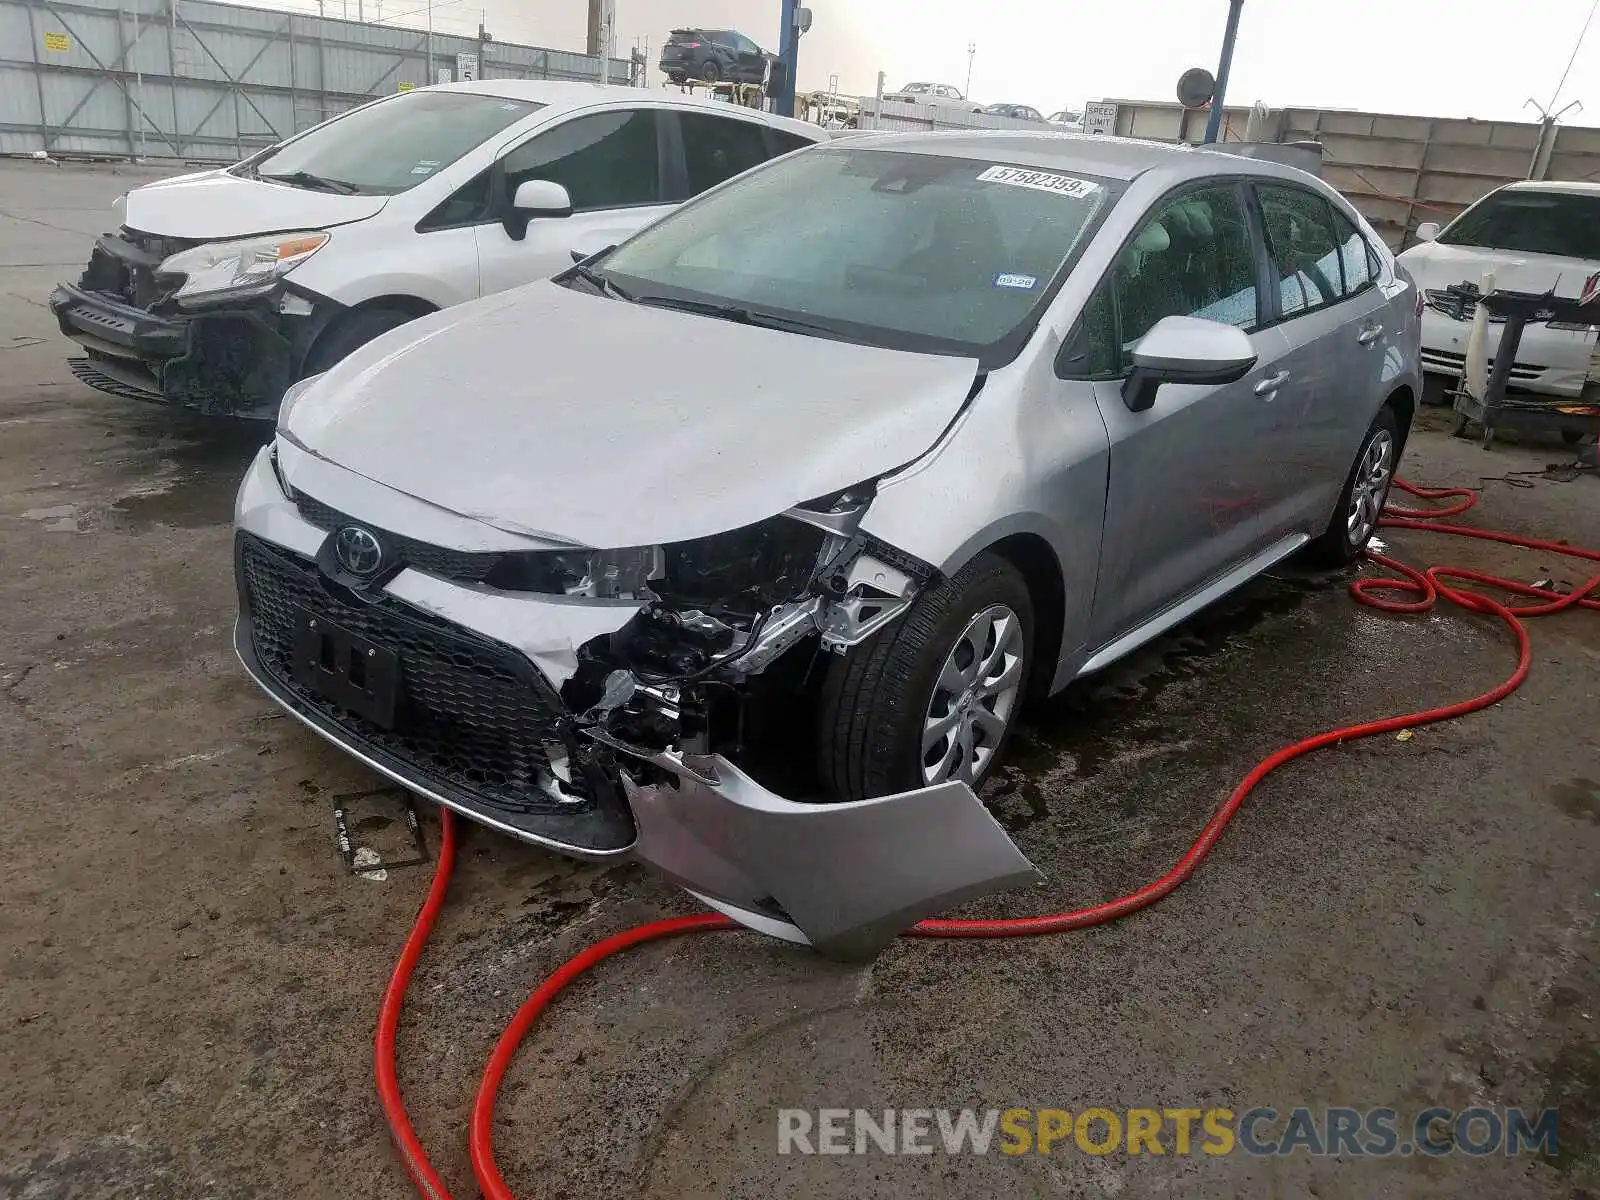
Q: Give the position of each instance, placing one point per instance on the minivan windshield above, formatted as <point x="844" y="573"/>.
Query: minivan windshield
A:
<point x="1531" y="222"/>
<point x="906" y="251"/>
<point x="392" y="145"/>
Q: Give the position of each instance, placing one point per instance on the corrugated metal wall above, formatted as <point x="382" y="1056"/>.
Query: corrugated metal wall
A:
<point x="1398" y="171"/>
<point x="206" y="81"/>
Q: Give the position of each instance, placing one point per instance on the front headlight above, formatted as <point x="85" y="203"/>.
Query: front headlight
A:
<point x="218" y="268"/>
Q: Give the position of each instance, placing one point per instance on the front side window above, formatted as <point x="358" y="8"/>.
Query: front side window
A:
<point x="910" y="251"/>
<point x="1305" y="253"/>
<point x="718" y="148"/>
<point x="393" y="145"/>
<point x="1531" y="222"/>
<point x="1193" y="258"/>
<point x="607" y="160"/>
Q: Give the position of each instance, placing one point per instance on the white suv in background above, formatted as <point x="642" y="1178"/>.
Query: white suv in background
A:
<point x="222" y="288"/>
<point x="1534" y="237"/>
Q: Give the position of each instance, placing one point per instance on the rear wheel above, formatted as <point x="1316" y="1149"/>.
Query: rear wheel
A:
<point x="1365" y="493"/>
<point x="935" y="696"/>
<point x="710" y="72"/>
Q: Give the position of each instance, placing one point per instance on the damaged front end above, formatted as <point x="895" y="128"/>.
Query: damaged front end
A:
<point x="703" y="699"/>
<point x="228" y="355"/>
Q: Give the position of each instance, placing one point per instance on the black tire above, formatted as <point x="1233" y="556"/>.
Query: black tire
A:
<point x="874" y="699"/>
<point x="1339" y="545"/>
<point x="354" y="332"/>
<point x="710" y="72"/>
<point x="678" y="77"/>
<point x="1571" y="437"/>
<point x="1438" y="391"/>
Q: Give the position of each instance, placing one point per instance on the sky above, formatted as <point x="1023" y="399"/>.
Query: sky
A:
<point x="1446" y="58"/>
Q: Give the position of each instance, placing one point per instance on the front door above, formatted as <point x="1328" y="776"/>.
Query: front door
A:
<point x="612" y="164"/>
<point x="1189" y="493"/>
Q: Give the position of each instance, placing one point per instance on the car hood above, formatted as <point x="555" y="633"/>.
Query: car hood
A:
<point x="1434" y="265"/>
<point x="559" y="414"/>
<point x="211" y="205"/>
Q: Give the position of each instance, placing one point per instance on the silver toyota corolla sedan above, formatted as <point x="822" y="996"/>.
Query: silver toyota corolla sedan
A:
<point x="739" y="547"/>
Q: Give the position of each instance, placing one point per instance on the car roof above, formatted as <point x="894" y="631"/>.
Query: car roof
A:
<point x="562" y="95"/>
<point x="1574" y="187"/>
<point x="1109" y="157"/>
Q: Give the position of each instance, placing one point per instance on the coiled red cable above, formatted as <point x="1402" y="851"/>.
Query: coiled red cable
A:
<point x="1426" y="587"/>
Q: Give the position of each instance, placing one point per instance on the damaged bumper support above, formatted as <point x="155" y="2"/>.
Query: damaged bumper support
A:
<point x="232" y="358"/>
<point x="483" y="730"/>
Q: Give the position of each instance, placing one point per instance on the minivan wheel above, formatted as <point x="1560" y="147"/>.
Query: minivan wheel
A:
<point x="352" y="333"/>
<point x="1360" y="506"/>
<point x="935" y="696"/>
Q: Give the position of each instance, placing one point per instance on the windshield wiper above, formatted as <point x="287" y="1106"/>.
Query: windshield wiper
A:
<point x="741" y="315"/>
<point x="306" y="179"/>
<point x="590" y="276"/>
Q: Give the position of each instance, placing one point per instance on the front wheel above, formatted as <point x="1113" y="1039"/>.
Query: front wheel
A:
<point x="1366" y="491"/>
<point x="934" y="697"/>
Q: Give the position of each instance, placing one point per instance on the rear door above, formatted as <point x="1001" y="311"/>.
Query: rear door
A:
<point x="1327" y="303"/>
<point x="614" y="163"/>
<point x="1188" y="496"/>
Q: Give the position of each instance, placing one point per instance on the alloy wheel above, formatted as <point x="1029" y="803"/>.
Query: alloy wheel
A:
<point x="974" y="699"/>
<point x="1370" y="490"/>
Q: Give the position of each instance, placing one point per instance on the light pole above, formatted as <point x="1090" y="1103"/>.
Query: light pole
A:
<point x="1231" y="35"/>
<point x="972" y="50"/>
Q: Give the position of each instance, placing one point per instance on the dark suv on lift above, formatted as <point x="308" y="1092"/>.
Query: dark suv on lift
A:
<point x="715" y="55"/>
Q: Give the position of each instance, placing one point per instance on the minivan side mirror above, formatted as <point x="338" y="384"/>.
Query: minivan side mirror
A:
<point x="1427" y="231"/>
<point x="541" y="198"/>
<point x="1187" y="350"/>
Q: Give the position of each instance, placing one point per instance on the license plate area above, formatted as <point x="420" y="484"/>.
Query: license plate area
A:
<point x="345" y="668"/>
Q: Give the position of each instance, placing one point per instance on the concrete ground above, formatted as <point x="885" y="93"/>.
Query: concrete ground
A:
<point x="189" y="976"/>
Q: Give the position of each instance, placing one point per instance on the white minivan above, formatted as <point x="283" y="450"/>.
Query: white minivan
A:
<point x="223" y="287"/>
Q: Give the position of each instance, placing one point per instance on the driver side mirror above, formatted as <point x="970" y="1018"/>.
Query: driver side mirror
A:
<point x="541" y="198"/>
<point x="1186" y="350"/>
<point x="1427" y="231"/>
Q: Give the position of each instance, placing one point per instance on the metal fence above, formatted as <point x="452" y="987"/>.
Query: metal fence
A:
<point x="1398" y="171"/>
<point x="204" y="81"/>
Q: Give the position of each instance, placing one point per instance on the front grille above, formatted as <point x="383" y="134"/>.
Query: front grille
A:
<point x="462" y="566"/>
<point x="1446" y="360"/>
<point x="474" y="717"/>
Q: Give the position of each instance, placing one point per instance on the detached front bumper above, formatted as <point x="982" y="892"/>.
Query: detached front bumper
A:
<point x="482" y="730"/>
<point x="233" y="360"/>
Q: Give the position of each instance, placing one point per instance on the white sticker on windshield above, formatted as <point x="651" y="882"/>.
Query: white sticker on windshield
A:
<point x="422" y="170"/>
<point x="1021" y="283"/>
<point x="1040" y="181"/>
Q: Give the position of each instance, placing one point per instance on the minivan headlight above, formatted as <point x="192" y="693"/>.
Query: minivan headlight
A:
<point x="216" y="269"/>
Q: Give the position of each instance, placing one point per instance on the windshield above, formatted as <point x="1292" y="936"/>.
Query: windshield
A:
<point x="907" y="251"/>
<point x="393" y="145"/>
<point x="1529" y="222"/>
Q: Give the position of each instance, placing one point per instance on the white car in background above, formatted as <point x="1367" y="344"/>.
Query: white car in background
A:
<point x="224" y="287"/>
<point x="1534" y="237"/>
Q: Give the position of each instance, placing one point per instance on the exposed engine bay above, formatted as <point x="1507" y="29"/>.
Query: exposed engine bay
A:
<point x="734" y="626"/>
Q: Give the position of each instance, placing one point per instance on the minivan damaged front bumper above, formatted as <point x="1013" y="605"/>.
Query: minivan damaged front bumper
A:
<point x="842" y="878"/>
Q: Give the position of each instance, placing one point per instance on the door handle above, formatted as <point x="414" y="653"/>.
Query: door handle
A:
<point x="1272" y="383"/>
<point x="1370" y="334"/>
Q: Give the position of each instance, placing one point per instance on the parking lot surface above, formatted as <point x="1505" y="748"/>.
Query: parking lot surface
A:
<point x="189" y="975"/>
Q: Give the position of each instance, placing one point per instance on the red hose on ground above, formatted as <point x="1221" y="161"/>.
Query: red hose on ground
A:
<point x="1426" y="586"/>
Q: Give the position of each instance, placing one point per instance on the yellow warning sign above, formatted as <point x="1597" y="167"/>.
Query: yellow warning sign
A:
<point x="404" y="87"/>
<point x="60" y="43"/>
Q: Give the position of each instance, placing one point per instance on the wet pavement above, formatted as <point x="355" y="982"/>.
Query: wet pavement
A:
<point x="189" y="973"/>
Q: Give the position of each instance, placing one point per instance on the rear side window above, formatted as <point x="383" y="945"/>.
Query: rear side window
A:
<point x="783" y="141"/>
<point x="1357" y="259"/>
<point x="1305" y="252"/>
<point x="718" y="148"/>
<point x="607" y="160"/>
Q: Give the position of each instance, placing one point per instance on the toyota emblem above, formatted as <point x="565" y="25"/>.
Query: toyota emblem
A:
<point x="358" y="550"/>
